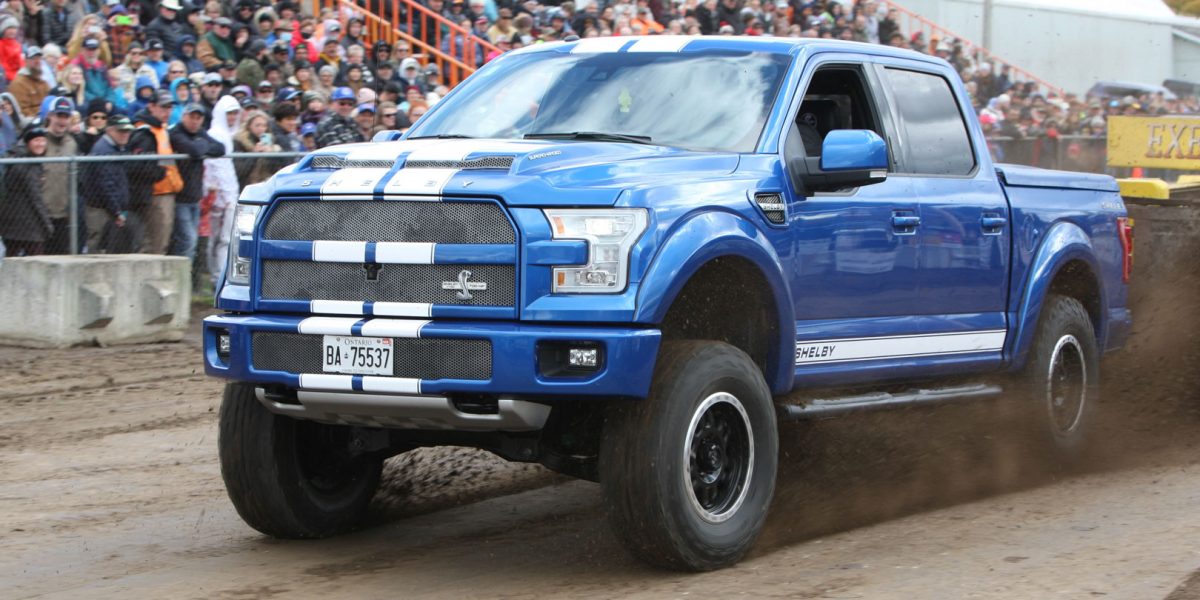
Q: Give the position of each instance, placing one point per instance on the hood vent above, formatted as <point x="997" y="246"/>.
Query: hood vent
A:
<point x="333" y="163"/>
<point x="773" y="207"/>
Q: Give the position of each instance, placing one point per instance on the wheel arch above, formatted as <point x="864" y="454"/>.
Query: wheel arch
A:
<point x="718" y="247"/>
<point x="1065" y="264"/>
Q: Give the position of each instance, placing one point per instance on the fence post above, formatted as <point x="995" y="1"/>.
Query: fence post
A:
<point x="73" y="203"/>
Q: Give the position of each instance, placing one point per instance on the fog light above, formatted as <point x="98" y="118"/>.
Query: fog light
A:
<point x="583" y="357"/>
<point x="223" y="345"/>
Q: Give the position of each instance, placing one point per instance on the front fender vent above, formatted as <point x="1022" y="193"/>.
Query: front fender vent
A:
<point x="773" y="207"/>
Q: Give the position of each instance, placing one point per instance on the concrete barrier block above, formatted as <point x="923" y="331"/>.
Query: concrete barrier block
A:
<point x="60" y="301"/>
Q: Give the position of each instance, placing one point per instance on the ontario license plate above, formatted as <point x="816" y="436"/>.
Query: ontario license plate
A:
<point x="357" y="355"/>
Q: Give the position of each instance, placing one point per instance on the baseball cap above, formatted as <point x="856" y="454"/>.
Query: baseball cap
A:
<point x="156" y="44"/>
<point x="343" y="93"/>
<point x="266" y="85"/>
<point x="250" y="103"/>
<point x="91" y="43"/>
<point x="287" y="94"/>
<point x="164" y="98"/>
<point x="120" y="122"/>
<point x="195" y="108"/>
<point x="63" y="105"/>
<point x="227" y="65"/>
<point x="308" y="129"/>
<point x="171" y="4"/>
<point x="242" y="89"/>
<point x="213" y="78"/>
<point x="366" y="107"/>
<point x="223" y="22"/>
<point x="33" y="51"/>
<point x="33" y="132"/>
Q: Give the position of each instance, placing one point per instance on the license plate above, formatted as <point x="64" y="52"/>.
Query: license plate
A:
<point x="357" y="355"/>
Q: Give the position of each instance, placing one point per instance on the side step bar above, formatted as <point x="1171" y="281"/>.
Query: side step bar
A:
<point x="823" y="408"/>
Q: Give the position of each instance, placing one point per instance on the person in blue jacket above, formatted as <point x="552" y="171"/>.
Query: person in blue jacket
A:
<point x="143" y="96"/>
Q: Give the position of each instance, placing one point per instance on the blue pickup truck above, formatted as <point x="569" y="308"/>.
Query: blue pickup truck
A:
<point x="629" y="259"/>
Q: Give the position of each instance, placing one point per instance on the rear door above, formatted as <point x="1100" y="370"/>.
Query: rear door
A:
<point x="965" y="223"/>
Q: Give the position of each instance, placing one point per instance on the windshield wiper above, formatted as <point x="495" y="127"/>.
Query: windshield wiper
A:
<point x="590" y="135"/>
<point x="443" y="136"/>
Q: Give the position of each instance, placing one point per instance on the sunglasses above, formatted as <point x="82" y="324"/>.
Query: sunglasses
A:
<point x="389" y="115"/>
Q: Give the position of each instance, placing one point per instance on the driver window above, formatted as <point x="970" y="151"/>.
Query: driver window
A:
<point x="836" y="98"/>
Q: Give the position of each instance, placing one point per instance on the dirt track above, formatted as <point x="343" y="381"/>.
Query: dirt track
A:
<point x="109" y="487"/>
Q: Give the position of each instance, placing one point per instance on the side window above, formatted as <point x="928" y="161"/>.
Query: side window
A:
<point x="836" y="98"/>
<point x="930" y="123"/>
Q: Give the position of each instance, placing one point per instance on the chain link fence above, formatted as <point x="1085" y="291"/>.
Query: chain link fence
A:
<point x="125" y="204"/>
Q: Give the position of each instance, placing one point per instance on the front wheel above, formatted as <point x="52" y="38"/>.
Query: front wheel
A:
<point x="688" y="473"/>
<point x="290" y="478"/>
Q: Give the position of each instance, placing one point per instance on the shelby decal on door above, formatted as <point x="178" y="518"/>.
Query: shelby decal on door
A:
<point x="809" y="352"/>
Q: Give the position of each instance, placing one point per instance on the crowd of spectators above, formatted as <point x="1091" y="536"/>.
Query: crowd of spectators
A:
<point x="206" y="79"/>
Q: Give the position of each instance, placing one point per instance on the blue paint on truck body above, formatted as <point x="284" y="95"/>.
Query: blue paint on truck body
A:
<point x="918" y="276"/>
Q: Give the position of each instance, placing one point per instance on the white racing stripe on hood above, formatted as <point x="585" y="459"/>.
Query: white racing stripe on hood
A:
<point x="599" y="44"/>
<point x="664" y="43"/>
<point x="359" y="182"/>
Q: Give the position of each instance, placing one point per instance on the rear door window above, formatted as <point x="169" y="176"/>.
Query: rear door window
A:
<point x="931" y="124"/>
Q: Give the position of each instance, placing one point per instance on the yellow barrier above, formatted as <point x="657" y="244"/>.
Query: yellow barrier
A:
<point x="1154" y="142"/>
<point x="1149" y="189"/>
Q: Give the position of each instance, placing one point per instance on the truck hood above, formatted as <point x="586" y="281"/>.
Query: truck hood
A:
<point x="521" y="172"/>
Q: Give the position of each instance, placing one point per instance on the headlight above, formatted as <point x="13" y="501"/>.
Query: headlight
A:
<point x="610" y="234"/>
<point x="238" y="270"/>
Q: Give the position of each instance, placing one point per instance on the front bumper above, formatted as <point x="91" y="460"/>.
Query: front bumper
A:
<point x="628" y="366"/>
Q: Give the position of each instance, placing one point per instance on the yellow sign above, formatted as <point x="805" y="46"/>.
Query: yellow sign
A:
<point x="1155" y="142"/>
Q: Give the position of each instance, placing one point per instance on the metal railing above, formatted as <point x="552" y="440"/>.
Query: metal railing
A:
<point x="12" y="207"/>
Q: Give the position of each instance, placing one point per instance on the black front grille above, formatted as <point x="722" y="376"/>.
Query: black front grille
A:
<point x="429" y="358"/>
<point x="390" y="221"/>
<point x="287" y="280"/>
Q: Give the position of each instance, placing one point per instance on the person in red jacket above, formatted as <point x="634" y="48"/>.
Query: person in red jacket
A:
<point x="12" y="58"/>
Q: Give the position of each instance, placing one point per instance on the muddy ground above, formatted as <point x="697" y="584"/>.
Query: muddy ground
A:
<point x="109" y="487"/>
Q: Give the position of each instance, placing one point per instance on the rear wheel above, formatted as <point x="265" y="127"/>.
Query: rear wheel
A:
<point x="290" y="478"/>
<point x="689" y="472"/>
<point x="1063" y="378"/>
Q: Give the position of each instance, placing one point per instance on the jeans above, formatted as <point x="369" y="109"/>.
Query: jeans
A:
<point x="187" y="228"/>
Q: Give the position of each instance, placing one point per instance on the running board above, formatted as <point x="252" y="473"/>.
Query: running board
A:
<point x="822" y="408"/>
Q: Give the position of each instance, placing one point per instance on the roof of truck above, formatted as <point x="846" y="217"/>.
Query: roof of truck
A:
<point x="683" y="43"/>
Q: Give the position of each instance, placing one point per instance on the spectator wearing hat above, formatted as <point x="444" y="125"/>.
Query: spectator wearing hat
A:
<point x="264" y="24"/>
<point x="60" y="19"/>
<point x="385" y="73"/>
<point x="326" y="80"/>
<point x="153" y="192"/>
<point x="431" y="77"/>
<point x="187" y="55"/>
<point x="264" y="92"/>
<point x="288" y="95"/>
<point x="243" y="13"/>
<point x="216" y="46"/>
<point x="95" y="71"/>
<point x="133" y="69"/>
<point x="12" y="58"/>
<point x="331" y="55"/>
<point x="364" y="117"/>
<point x="354" y="34"/>
<point x="29" y="88"/>
<point x="308" y="136"/>
<point x="252" y="69"/>
<point x="381" y="52"/>
<point x="106" y="193"/>
<point x="25" y="223"/>
<point x="167" y="27"/>
<point x="211" y="90"/>
<point x="339" y="127"/>
<point x="302" y="76"/>
<point x="190" y="137"/>
<point x="155" y="58"/>
<point x="60" y="142"/>
<point x="315" y="108"/>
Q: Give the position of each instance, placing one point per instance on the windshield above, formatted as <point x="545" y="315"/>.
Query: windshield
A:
<point x="693" y="100"/>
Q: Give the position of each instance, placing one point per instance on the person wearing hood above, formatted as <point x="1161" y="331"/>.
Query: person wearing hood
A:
<point x="25" y="221"/>
<point x="143" y="96"/>
<point x="12" y="58"/>
<point x="221" y="177"/>
<point x="29" y="88"/>
<point x="216" y="46"/>
<point x="106" y="193"/>
<point x="152" y="186"/>
<point x="182" y="94"/>
<point x="187" y="55"/>
<point x="11" y="122"/>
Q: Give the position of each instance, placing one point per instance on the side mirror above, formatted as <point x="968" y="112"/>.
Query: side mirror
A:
<point x="849" y="158"/>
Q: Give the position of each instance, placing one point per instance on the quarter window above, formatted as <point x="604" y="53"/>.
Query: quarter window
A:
<point x="931" y="124"/>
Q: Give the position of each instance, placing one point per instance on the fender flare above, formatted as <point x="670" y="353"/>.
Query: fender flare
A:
<point x="693" y="243"/>
<point x="1064" y="243"/>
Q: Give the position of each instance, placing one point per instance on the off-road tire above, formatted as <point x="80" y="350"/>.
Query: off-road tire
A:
<point x="1063" y="380"/>
<point x="290" y="478"/>
<point x="647" y="459"/>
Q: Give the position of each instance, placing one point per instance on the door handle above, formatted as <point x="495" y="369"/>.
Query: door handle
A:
<point x="905" y="221"/>
<point x="992" y="223"/>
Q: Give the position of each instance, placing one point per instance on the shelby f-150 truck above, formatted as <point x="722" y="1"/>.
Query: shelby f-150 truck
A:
<point x="628" y="259"/>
